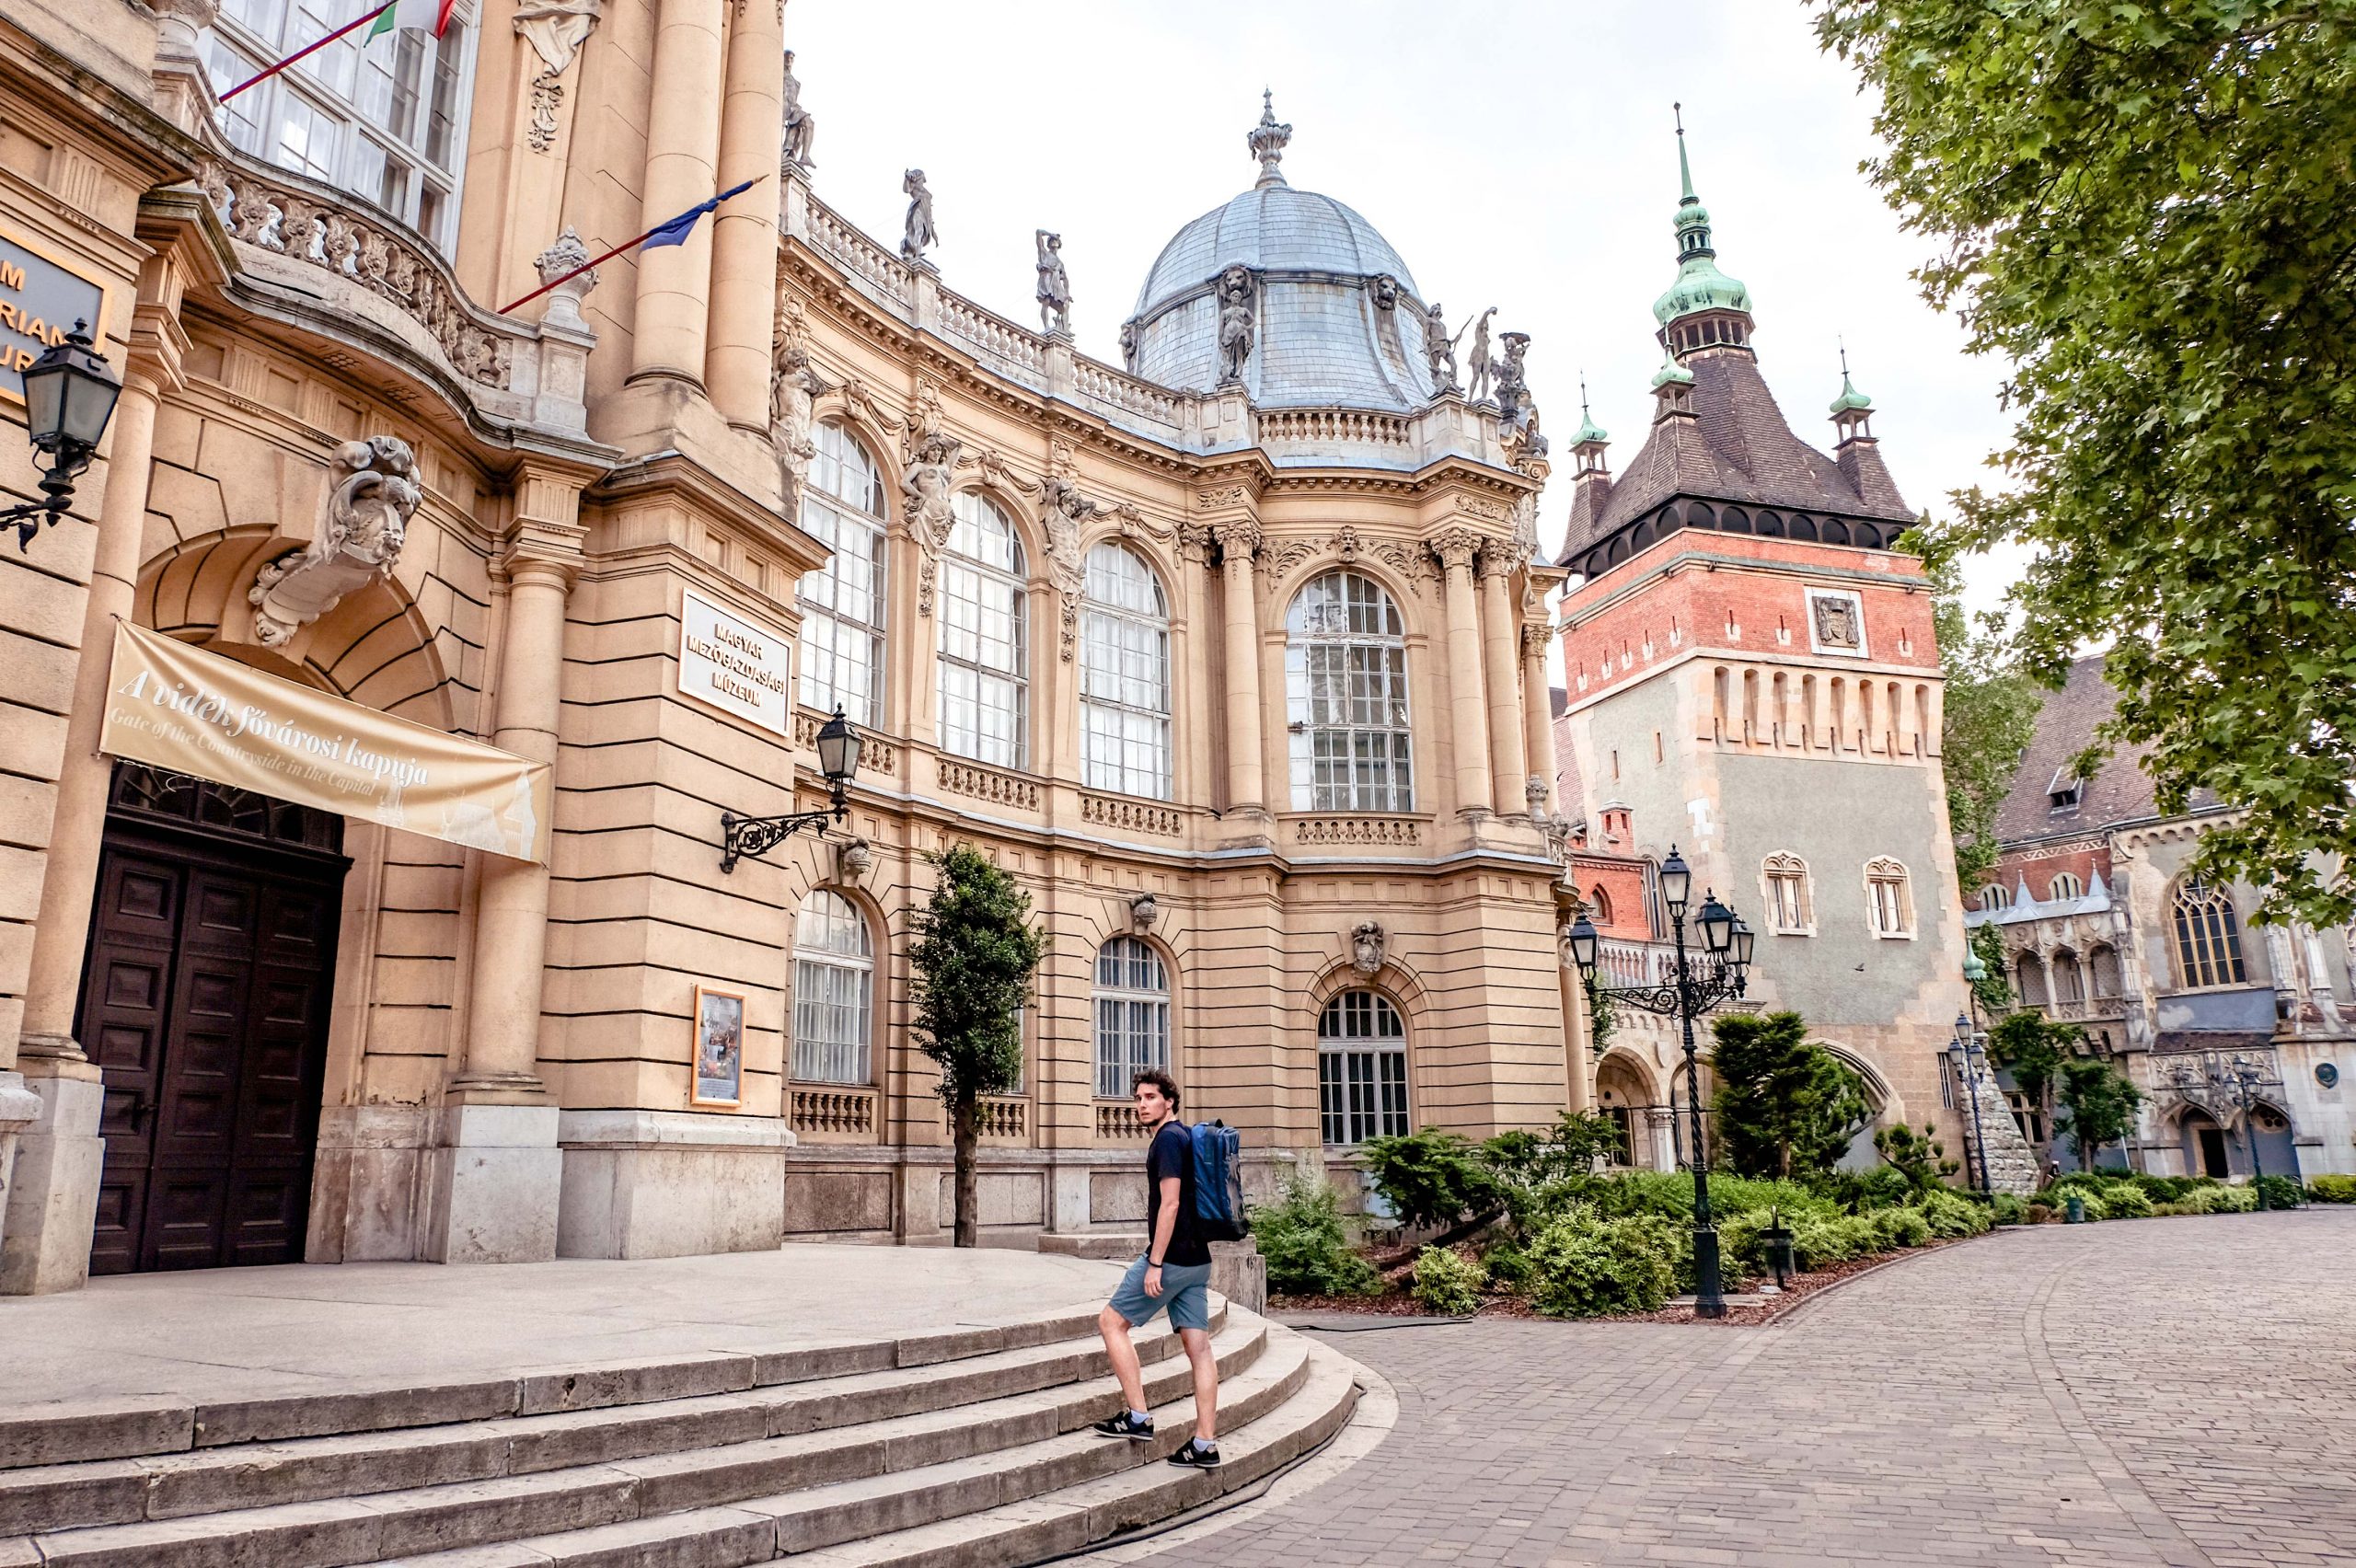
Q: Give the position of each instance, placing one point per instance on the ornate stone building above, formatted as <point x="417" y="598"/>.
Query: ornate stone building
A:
<point x="1753" y="681"/>
<point x="1235" y="656"/>
<point x="2104" y="927"/>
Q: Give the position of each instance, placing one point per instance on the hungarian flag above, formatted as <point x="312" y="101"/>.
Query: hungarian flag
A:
<point x="426" y="15"/>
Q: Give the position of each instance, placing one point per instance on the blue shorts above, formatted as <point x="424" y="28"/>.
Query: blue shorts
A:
<point x="1185" y="1291"/>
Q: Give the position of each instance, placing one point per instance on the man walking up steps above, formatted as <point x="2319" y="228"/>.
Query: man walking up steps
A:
<point x="1174" y="1273"/>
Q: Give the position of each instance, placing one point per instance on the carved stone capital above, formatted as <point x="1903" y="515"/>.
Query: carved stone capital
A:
<point x="1498" y="558"/>
<point x="1238" y="537"/>
<point x="372" y="493"/>
<point x="1456" y="547"/>
<point x="1194" y="540"/>
<point x="1534" y="637"/>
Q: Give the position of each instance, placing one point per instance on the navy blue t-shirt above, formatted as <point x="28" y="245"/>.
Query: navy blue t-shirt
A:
<point x="1172" y="1154"/>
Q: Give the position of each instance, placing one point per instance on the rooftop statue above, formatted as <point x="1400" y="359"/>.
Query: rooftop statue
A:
<point x="1055" y="287"/>
<point x="1478" y="364"/>
<point x="1236" y="321"/>
<point x="800" y="123"/>
<point x="919" y="234"/>
<point x="1439" y="351"/>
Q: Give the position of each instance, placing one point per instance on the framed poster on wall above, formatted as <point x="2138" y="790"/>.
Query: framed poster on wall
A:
<point x="720" y="1049"/>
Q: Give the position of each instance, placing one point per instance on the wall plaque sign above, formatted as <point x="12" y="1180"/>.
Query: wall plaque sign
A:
<point x="40" y="302"/>
<point x="740" y="667"/>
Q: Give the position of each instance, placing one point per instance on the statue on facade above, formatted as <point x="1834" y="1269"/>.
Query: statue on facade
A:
<point x="918" y="233"/>
<point x="374" y="494"/>
<point x="1055" y="288"/>
<point x="926" y="484"/>
<point x="1516" y="415"/>
<point x="1439" y="351"/>
<point x="556" y="30"/>
<point x="1131" y="340"/>
<point x="1236" y="323"/>
<point x="1063" y="513"/>
<point x="1366" y="947"/>
<point x="794" y="389"/>
<point x="565" y="255"/>
<point x="1478" y="364"/>
<point x="800" y="123"/>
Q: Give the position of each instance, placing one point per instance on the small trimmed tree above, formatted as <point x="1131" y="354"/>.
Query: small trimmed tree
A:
<point x="2033" y="1050"/>
<point x="974" y="953"/>
<point x="2101" y="1103"/>
<point x="1785" y="1105"/>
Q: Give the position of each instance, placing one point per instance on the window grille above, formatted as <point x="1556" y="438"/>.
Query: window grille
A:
<point x="834" y="983"/>
<point x="1346" y="698"/>
<point x="1125" y="676"/>
<point x="1132" y="1015"/>
<point x="1361" y="1069"/>
<point x="842" y="602"/>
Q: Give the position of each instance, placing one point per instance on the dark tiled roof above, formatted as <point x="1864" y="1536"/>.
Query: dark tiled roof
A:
<point x="1737" y="447"/>
<point x="2119" y="792"/>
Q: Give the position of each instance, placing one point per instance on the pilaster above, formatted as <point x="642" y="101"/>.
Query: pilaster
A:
<point x="1457" y="550"/>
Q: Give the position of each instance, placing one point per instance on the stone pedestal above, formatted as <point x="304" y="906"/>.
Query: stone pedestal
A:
<point x="670" y="1183"/>
<point x="2011" y="1165"/>
<point x="497" y="1178"/>
<point x="1239" y="1274"/>
<point x="53" y="1186"/>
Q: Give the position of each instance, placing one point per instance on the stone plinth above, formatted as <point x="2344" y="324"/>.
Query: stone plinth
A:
<point x="670" y="1183"/>
<point x="52" y="1190"/>
<point x="495" y="1183"/>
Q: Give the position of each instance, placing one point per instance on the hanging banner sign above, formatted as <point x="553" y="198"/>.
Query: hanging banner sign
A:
<point x="179" y="707"/>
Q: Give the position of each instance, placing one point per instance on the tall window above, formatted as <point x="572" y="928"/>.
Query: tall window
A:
<point x="842" y="602"/>
<point x="382" y="120"/>
<point x="2102" y="967"/>
<point x="1790" y="911"/>
<point x="2208" y="936"/>
<point x="833" y="981"/>
<point x="1125" y="676"/>
<point x="2029" y="971"/>
<point x="2066" y="885"/>
<point x="1361" y="1069"/>
<point x="985" y="653"/>
<point x="1132" y="1015"/>
<point x="1993" y="897"/>
<point x="1656" y="905"/>
<point x="1346" y="698"/>
<point x="1599" y="904"/>
<point x="1889" y="899"/>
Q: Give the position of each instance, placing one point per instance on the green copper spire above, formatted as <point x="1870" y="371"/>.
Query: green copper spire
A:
<point x="1700" y="285"/>
<point x="1589" y="430"/>
<point x="1669" y="371"/>
<point x="1851" y="400"/>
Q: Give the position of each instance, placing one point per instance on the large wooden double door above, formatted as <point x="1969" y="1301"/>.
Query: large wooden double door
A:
<point x="205" y="1001"/>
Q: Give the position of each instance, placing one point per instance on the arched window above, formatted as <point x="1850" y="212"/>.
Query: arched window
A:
<point x="1361" y="1069"/>
<point x="1125" y="676"/>
<point x="1132" y="1015"/>
<point x="2065" y="885"/>
<point x="1599" y="905"/>
<point x="2069" y="979"/>
<point x="2208" y="936"/>
<point x="2102" y="966"/>
<point x="1656" y="906"/>
<point x="1791" y="910"/>
<point x="834" y="975"/>
<point x="1995" y="896"/>
<point x="1346" y="698"/>
<point x="842" y="602"/>
<point x="2028" y="976"/>
<point x="984" y="640"/>
<point x="1889" y="897"/>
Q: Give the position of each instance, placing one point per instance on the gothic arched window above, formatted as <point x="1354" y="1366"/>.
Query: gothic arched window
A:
<point x="1346" y="698"/>
<point x="1995" y="897"/>
<point x="2208" y="936"/>
<point x="1361" y="1069"/>
<point x="1125" y="676"/>
<point x="842" y="602"/>
<point x="1889" y="897"/>
<point x="984" y="638"/>
<point x="1132" y="1015"/>
<point x="834" y="985"/>
<point x="2065" y="885"/>
<point x="1791" y="909"/>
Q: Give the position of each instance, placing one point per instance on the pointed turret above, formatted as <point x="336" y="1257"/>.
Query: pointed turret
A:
<point x="1704" y="308"/>
<point x="1592" y="440"/>
<point x="1857" y="452"/>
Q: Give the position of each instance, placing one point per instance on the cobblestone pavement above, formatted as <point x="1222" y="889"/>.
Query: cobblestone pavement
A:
<point x="2176" y="1391"/>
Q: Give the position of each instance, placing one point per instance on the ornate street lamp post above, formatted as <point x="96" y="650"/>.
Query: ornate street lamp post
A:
<point x="839" y="747"/>
<point x="1966" y="1049"/>
<point x="1704" y="980"/>
<point x="69" y="397"/>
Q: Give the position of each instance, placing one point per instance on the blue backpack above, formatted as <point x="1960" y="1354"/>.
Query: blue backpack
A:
<point x="1218" y="1182"/>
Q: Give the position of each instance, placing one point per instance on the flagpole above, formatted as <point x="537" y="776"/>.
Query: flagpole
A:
<point x="698" y="209"/>
<point x="308" y="50"/>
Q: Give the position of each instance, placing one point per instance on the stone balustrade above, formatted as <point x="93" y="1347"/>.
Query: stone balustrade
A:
<point x="840" y="241"/>
<point x="1118" y="1120"/>
<point x="834" y="1113"/>
<point x="1357" y="831"/>
<point x="1123" y="813"/>
<point x="996" y="1118"/>
<point x="989" y="784"/>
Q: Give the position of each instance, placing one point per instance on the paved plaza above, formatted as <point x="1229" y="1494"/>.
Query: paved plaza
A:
<point x="2175" y="1391"/>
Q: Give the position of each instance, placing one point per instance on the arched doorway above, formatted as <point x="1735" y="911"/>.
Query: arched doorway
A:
<point x="204" y="1004"/>
<point x="1624" y="1094"/>
<point x="2206" y="1149"/>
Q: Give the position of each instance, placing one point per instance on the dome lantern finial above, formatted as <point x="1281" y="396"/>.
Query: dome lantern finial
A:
<point x="1588" y="445"/>
<point x="1267" y="140"/>
<point x="1701" y="288"/>
<point x="1853" y="410"/>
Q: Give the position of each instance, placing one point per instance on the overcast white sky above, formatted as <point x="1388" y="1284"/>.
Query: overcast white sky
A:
<point x="1517" y="153"/>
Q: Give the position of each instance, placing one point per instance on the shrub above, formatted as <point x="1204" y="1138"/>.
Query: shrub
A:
<point x="2126" y="1200"/>
<point x="1742" y="1245"/>
<point x="2167" y="1189"/>
<point x="1915" y="1155"/>
<point x="2333" y="1189"/>
<point x="2040" y="1213"/>
<point x="1588" y="1266"/>
<point x="1854" y="1192"/>
<point x="1898" y="1227"/>
<point x="1951" y="1216"/>
<point x="1300" y="1236"/>
<point x="2008" y="1209"/>
<point x="1818" y="1242"/>
<point x="2219" y="1199"/>
<point x="2282" y="1191"/>
<point x="1449" y="1283"/>
<point x="1431" y="1179"/>
<point x="1509" y="1267"/>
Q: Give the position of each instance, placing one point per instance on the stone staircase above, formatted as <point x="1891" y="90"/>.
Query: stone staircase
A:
<point x="2012" y="1165"/>
<point x="968" y="1448"/>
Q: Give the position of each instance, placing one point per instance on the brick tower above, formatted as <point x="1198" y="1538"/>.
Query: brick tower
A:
<point x="1753" y="678"/>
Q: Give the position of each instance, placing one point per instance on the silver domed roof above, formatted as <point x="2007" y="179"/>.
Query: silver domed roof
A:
<point x="1324" y="336"/>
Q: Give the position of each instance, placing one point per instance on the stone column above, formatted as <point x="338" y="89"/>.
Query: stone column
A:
<point x="1191" y="762"/>
<point x="1538" y="721"/>
<point x="1580" y="1066"/>
<point x="1457" y="548"/>
<point x="52" y="1197"/>
<point x="1246" y="789"/>
<point x="498" y="1171"/>
<point x="743" y="238"/>
<point x="1508" y="754"/>
<point x="682" y="166"/>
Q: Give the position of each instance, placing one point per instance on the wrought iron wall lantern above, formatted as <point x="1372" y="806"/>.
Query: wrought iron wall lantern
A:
<point x="69" y="397"/>
<point x="839" y="747"/>
<point x="1716" y="974"/>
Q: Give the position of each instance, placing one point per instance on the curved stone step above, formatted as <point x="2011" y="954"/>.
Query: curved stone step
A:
<point x="67" y="1496"/>
<point x="364" y="1529"/>
<point x="1285" y="1403"/>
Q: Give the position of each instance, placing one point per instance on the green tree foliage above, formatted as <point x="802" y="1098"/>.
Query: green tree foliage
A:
<point x="2101" y="1104"/>
<point x="1993" y="990"/>
<point x="1308" y="1252"/>
<point x="1785" y="1106"/>
<point x="2033" y="1050"/>
<point x="1431" y="1179"/>
<point x="1914" y="1154"/>
<point x="2142" y="209"/>
<point x="971" y="965"/>
<point x="1990" y="710"/>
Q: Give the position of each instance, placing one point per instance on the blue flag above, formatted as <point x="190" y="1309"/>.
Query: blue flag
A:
<point x="675" y="232"/>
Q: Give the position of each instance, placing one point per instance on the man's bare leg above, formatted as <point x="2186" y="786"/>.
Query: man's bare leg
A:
<point x="1123" y="1356"/>
<point x="1198" y="1352"/>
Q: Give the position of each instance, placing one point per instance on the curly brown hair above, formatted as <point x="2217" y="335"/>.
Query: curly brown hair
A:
<point x="1161" y="1080"/>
